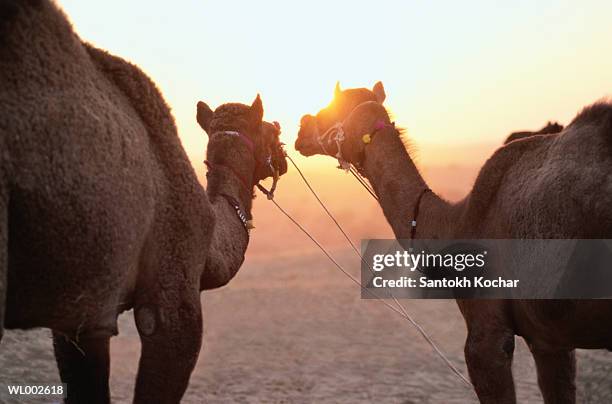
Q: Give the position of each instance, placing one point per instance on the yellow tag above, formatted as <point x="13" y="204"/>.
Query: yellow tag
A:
<point x="367" y="138"/>
<point x="250" y="225"/>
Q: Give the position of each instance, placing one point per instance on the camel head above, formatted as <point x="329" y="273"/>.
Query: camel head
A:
<point x="344" y="101"/>
<point x="262" y="138"/>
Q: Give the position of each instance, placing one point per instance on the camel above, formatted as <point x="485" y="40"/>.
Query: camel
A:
<point x="549" y="129"/>
<point x="546" y="186"/>
<point x="101" y="210"/>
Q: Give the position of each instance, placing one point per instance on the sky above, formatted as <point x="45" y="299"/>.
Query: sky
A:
<point x="457" y="74"/>
<point x="460" y="76"/>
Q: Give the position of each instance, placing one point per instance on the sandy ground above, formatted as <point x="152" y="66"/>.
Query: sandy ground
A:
<point x="296" y="331"/>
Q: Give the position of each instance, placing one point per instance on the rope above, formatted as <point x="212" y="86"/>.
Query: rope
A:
<point x="402" y="310"/>
<point x="325" y="208"/>
<point x="363" y="183"/>
<point x="351" y="277"/>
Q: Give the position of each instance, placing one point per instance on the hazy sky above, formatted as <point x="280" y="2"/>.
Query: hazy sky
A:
<point x="455" y="72"/>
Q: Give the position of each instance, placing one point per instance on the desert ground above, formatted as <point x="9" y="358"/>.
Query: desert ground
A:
<point x="290" y="328"/>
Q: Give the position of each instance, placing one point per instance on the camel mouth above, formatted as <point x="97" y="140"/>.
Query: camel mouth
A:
<point x="305" y="142"/>
<point x="304" y="146"/>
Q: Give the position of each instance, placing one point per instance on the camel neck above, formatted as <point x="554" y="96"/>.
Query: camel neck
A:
<point x="230" y="172"/>
<point x="400" y="187"/>
<point x="228" y="169"/>
<point x="225" y="182"/>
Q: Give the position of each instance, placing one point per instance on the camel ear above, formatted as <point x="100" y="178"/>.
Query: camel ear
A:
<point x="379" y="92"/>
<point x="257" y="111"/>
<point x="337" y="90"/>
<point x="204" y="116"/>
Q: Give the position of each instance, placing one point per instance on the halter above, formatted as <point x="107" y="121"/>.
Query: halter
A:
<point x="269" y="193"/>
<point x="249" y="144"/>
<point x="245" y="218"/>
<point x="336" y="133"/>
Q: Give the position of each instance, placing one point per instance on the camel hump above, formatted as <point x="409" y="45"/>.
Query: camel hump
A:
<point x="598" y="115"/>
<point x="548" y="129"/>
<point x="141" y="92"/>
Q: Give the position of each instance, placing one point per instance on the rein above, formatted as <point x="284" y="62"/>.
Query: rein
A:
<point x="398" y="308"/>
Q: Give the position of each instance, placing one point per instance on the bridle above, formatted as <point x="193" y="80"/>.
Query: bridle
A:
<point x="336" y="134"/>
<point x="245" y="217"/>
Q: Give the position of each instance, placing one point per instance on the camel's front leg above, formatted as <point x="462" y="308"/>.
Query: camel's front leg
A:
<point x="488" y="355"/>
<point x="170" y="328"/>
<point x="84" y="366"/>
<point x="556" y="375"/>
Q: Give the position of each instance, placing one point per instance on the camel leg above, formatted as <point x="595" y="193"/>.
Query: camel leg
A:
<point x="84" y="367"/>
<point x="556" y="375"/>
<point x="171" y="336"/>
<point x="488" y="355"/>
